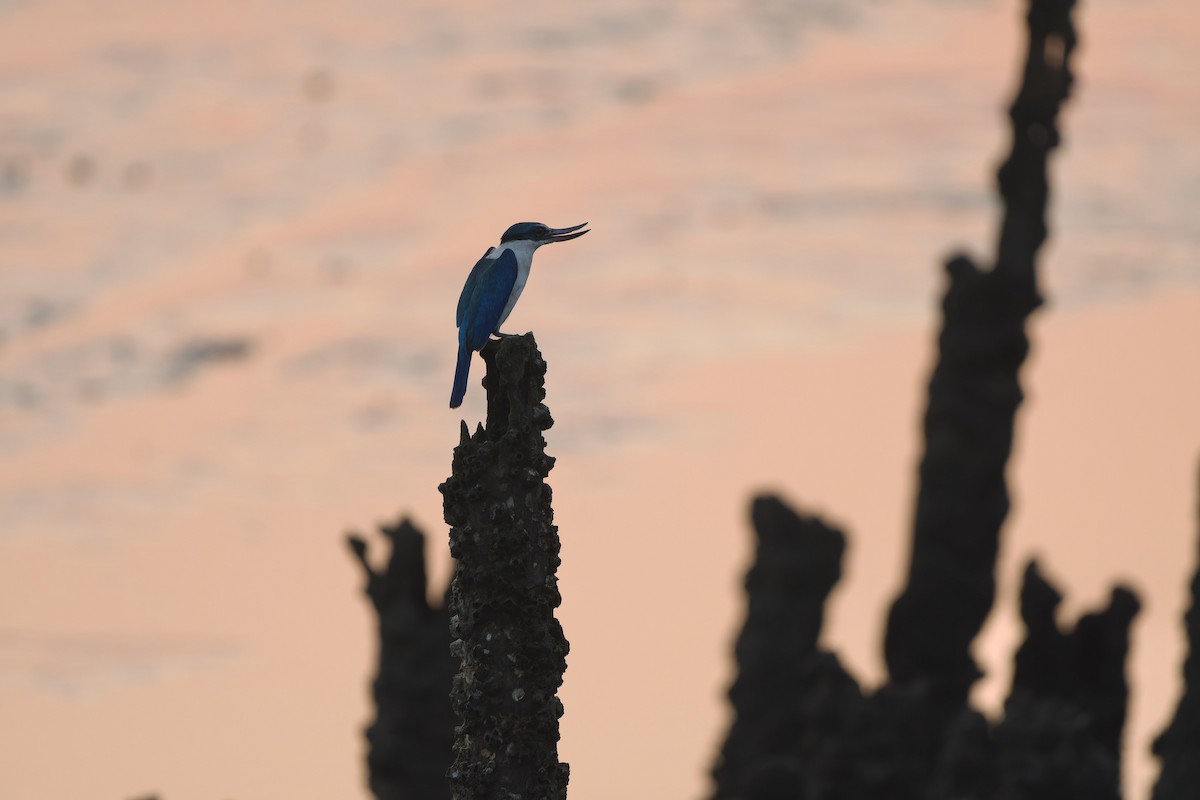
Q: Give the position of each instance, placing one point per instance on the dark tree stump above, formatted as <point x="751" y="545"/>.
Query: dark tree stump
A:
<point x="1178" y="747"/>
<point x="974" y="394"/>
<point x="504" y="592"/>
<point x="790" y="698"/>
<point x="411" y="738"/>
<point x="803" y="729"/>
<point x="1064" y="718"/>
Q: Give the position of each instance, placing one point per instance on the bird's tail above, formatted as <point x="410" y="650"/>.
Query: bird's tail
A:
<point x="460" y="376"/>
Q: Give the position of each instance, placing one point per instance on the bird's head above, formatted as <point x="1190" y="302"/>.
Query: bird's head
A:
<point x="540" y="234"/>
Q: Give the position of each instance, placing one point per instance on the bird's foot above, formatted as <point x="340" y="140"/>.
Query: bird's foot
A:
<point x="500" y="335"/>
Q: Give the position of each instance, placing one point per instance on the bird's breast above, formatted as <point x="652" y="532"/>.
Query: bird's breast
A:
<point x="524" y="261"/>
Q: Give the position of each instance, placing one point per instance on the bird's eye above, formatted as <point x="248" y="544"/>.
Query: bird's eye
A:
<point x="543" y="231"/>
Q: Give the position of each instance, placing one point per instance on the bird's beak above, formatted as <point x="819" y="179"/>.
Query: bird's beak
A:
<point x="565" y="234"/>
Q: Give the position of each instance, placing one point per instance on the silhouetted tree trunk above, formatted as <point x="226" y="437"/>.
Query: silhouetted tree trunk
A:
<point x="1064" y="717"/>
<point x="411" y="738"/>
<point x="1178" y="747"/>
<point x="803" y="729"/>
<point x="504" y="592"/>
<point x="974" y="393"/>
<point x="791" y="699"/>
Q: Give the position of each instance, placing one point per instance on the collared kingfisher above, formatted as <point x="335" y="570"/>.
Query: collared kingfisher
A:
<point x="493" y="288"/>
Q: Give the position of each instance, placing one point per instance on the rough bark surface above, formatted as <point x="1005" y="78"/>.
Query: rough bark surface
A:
<point x="411" y="738"/>
<point x="504" y="592"/>
<point x="1178" y="747"/>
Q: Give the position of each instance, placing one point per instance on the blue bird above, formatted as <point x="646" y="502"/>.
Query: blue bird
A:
<point x="493" y="287"/>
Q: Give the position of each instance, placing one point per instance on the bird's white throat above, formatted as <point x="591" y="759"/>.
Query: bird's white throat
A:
<point x="522" y="249"/>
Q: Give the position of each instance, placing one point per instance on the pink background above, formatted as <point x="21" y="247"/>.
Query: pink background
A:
<point x="771" y="189"/>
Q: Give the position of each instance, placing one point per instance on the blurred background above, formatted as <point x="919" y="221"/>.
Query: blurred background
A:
<point x="232" y="235"/>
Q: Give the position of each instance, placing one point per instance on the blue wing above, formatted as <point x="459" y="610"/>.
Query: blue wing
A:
<point x="490" y="290"/>
<point x="469" y="286"/>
